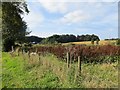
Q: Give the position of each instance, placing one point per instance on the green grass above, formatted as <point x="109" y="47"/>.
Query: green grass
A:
<point x="100" y="75"/>
<point x="17" y="73"/>
<point x="51" y="72"/>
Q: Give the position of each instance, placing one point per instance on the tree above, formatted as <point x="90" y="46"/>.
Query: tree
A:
<point x="31" y="39"/>
<point x="118" y="42"/>
<point x="92" y="41"/>
<point x="69" y="38"/>
<point x="0" y="25"/>
<point x="97" y="42"/>
<point x="13" y="27"/>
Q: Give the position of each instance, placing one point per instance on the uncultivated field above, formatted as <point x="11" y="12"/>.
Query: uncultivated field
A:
<point x="101" y="42"/>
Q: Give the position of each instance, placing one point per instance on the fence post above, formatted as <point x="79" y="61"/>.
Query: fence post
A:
<point x="29" y="54"/>
<point x="39" y="55"/>
<point x="12" y="49"/>
<point x="78" y="71"/>
<point x="68" y="59"/>
<point x="79" y="65"/>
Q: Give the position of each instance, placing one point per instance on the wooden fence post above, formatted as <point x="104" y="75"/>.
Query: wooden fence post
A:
<point x="78" y="70"/>
<point x="12" y="49"/>
<point x="68" y="59"/>
<point x="29" y="54"/>
<point x="79" y="65"/>
<point x="39" y="57"/>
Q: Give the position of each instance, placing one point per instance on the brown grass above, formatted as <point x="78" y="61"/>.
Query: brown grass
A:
<point x="102" y="42"/>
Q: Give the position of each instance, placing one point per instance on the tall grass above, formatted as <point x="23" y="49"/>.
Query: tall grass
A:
<point x="24" y="73"/>
<point x="50" y="72"/>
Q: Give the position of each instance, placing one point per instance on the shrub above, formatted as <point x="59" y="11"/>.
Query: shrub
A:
<point x="92" y="42"/>
<point x="87" y="53"/>
<point x="7" y="44"/>
<point x="97" y="42"/>
<point x="118" y="42"/>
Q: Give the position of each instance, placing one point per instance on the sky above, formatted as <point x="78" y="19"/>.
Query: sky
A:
<point x="47" y="18"/>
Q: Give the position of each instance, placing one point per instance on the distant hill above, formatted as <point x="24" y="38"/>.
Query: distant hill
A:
<point x="33" y="39"/>
<point x="61" y="38"/>
<point x="70" y="38"/>
<point x="112" y="39"/>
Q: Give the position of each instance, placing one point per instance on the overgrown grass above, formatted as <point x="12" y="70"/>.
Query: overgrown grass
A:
<point x="100" y="75"/>
<point x="17" y="73"/>
<point x="50" y="72"/>
<point x="103" y="75"/>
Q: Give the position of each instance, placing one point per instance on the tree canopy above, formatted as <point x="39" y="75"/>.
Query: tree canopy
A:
<point x="13" y="27"/>
<point x="70" y="38"/>
<point x="31" y="39"/>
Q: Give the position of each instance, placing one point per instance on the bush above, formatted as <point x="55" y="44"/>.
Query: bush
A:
<point x="92" y="42"/>
<point x="87" y="53"/>
<point x="118" y="42"/>
<point x="7" y="44"/>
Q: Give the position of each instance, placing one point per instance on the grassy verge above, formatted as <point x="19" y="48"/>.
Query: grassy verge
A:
<point x="18" y="73"/>
<point x="50" y="72"/>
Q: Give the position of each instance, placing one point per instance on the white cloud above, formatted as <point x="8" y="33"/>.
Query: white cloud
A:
<point x="74" y="17"/>
<point x="54" y="6"/>
<point x="75" y="0"/>
<point x="34" y="19"/>
<point x="43" y="34"/>
<point x="111" y="18"/>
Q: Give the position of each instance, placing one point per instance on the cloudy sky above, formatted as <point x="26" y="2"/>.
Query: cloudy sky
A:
<point x="51" y="17"/>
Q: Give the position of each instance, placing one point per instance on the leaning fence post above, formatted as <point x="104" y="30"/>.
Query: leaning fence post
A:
<point x="68" y="59"/>
<point x="79" y="65"/>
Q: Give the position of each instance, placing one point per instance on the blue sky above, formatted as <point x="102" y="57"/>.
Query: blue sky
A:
<point x="48" y="18"/>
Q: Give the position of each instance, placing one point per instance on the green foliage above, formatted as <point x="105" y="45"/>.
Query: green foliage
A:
<point x="100" y="75"/>
<point x="29" y="39"/>
<point x="118" y="42"/>
<point x="69" y="38"/>
<point x="94" y="38"/>
<point x="87" y="37"/>
<point x="92" y="42"/>
<point x="53" y="73"/>
<point x="7" y="43"/>
<point x="49" y="80"/>
<point x="13" y="26"/>
<point x="0" y="16"/>
<point x="97" y="42"/>
<point x="16" y="74"/>
<point x="45" y="41"/>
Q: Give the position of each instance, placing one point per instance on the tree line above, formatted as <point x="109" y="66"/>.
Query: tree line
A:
<point x="70" y="38"/>
<point x="61" y="38"/>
